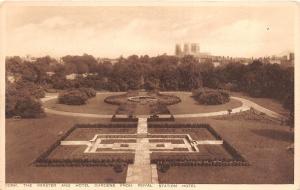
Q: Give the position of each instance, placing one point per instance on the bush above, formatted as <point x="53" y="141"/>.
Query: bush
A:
<point x="118" y="168"/>
<point x="211" y="97"/>
<point x="29" y="108"/>
<point x="30" y="89"/>
<point x="22" y="101"/>
<point x="73" y="97"/>
<point x="90" y="92"/>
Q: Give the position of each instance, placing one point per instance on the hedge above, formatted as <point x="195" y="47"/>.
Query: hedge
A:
<point x="210" y="96"/>
<point x="73" y="97"/>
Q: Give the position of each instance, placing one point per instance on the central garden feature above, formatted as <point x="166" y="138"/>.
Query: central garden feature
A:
<point x="142" y="103"/>
<point x="142" y="99"/>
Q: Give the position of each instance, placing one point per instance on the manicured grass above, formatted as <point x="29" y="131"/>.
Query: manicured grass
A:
<point x="86" y="134"/>
<point x="189" y="105"/>
<point x="94" y="105"/>
<point x="195" y="133"/>
<point x="262" y="144"/>
<point x="271" y="104"/>
<point x="27" y="139"/>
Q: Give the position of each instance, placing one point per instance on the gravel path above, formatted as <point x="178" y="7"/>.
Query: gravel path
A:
<point x="246" y="105"/>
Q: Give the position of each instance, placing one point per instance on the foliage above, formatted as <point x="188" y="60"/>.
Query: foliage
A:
<point x="161" y="72"/>
<point x="21" y="99"/>
<point x="73" y="97"/>
<point x="210" y="96"/>
<point x="29" y="108"/>
<point x="88" y="91"/>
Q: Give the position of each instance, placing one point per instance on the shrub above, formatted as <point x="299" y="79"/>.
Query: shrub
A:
<point x="21" y="100"/>
<point x="163" y="167"/>
<point x="29" y="89"/>
<point x="118" y="168"/>
<point x="90" y="92"/>
<point x="210" y="97"/>
<point x="73" y="97"/>
<point x="29" y="108"/>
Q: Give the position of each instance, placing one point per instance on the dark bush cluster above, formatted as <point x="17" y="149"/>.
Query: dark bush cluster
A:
<point x="164" y="165"/>
<point x="72" y="97"/>
<point x="178" y="125"/>
<point x="156" y="118"/>
<point x="210" y="96"/>
<point x="130" y="118"/>
<point x="22" y="99"/>
<point x="88" y="91"/>
<point x="159" y="108"/>
<point x="114" y="125"/>
<point x="117" y="164"/>
<point x="77" y="96"/>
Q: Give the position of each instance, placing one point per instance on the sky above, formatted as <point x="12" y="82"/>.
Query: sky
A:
<point x="104" y="31"/>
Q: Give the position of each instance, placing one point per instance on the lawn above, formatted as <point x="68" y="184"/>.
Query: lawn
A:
<point x="262" y="144"/>
<point x="26" y="139"/>
<point x="195" y="133"/>
<point x="268" y="103"/>
<point x="94" y="105"/>
<point x="189" y="105"/>
<point x="86" y="134"/>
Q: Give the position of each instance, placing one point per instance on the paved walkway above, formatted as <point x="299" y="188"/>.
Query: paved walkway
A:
<point x="141" y="171"/>
<point x="246" y="105"/>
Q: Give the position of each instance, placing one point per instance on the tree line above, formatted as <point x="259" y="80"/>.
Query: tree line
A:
<point x="162" y="72"/>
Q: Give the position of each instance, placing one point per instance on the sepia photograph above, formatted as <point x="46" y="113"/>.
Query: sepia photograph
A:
<point x="151" y="94"/>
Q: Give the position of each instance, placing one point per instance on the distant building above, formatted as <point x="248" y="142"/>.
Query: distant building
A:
<point x="178" y="51"/>
<point x="195" y="49"/>
<point x="291" y="57"/>
<point x="186" y="49"/>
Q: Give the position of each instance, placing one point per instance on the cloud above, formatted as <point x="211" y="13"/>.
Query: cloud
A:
<point x="112" y="31"/>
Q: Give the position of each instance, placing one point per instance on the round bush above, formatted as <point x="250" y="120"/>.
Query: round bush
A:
<point x="118" y="168"/>
<point x="29" y="108"/>
<point x="90" y="92"/>
<point x="73" y="97"/>
<point x="211" y="97"/>
<point x="163" y="167"/>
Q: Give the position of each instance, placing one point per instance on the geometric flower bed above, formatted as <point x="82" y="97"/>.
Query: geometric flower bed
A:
<point x="218" y="154"/>
<point x="57" y="155"/>
<point x="114" y="145"/>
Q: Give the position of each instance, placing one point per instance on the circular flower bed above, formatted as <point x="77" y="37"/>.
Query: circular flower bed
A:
<point x="134" y="97"/>
<point x="142" y="99"/>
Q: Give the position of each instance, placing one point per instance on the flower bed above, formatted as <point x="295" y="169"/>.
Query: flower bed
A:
<point x="164" y="161"/>
<point x="111" y="160"/>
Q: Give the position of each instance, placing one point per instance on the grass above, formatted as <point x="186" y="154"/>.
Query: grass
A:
<point x="26" y="139"/>
<point x="189" y="105"/>
<point x="271" y="104"/>
<point x="196" y="134"/>
<point x="262" y="144"/>
<point x="95" y="105"/>
<point x="86" y="134"/>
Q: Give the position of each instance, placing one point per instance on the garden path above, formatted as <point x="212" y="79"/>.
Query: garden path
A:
<point x="246" y="105"/>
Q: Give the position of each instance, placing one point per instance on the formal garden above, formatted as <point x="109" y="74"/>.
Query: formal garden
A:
<point x="147" y="113"/>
